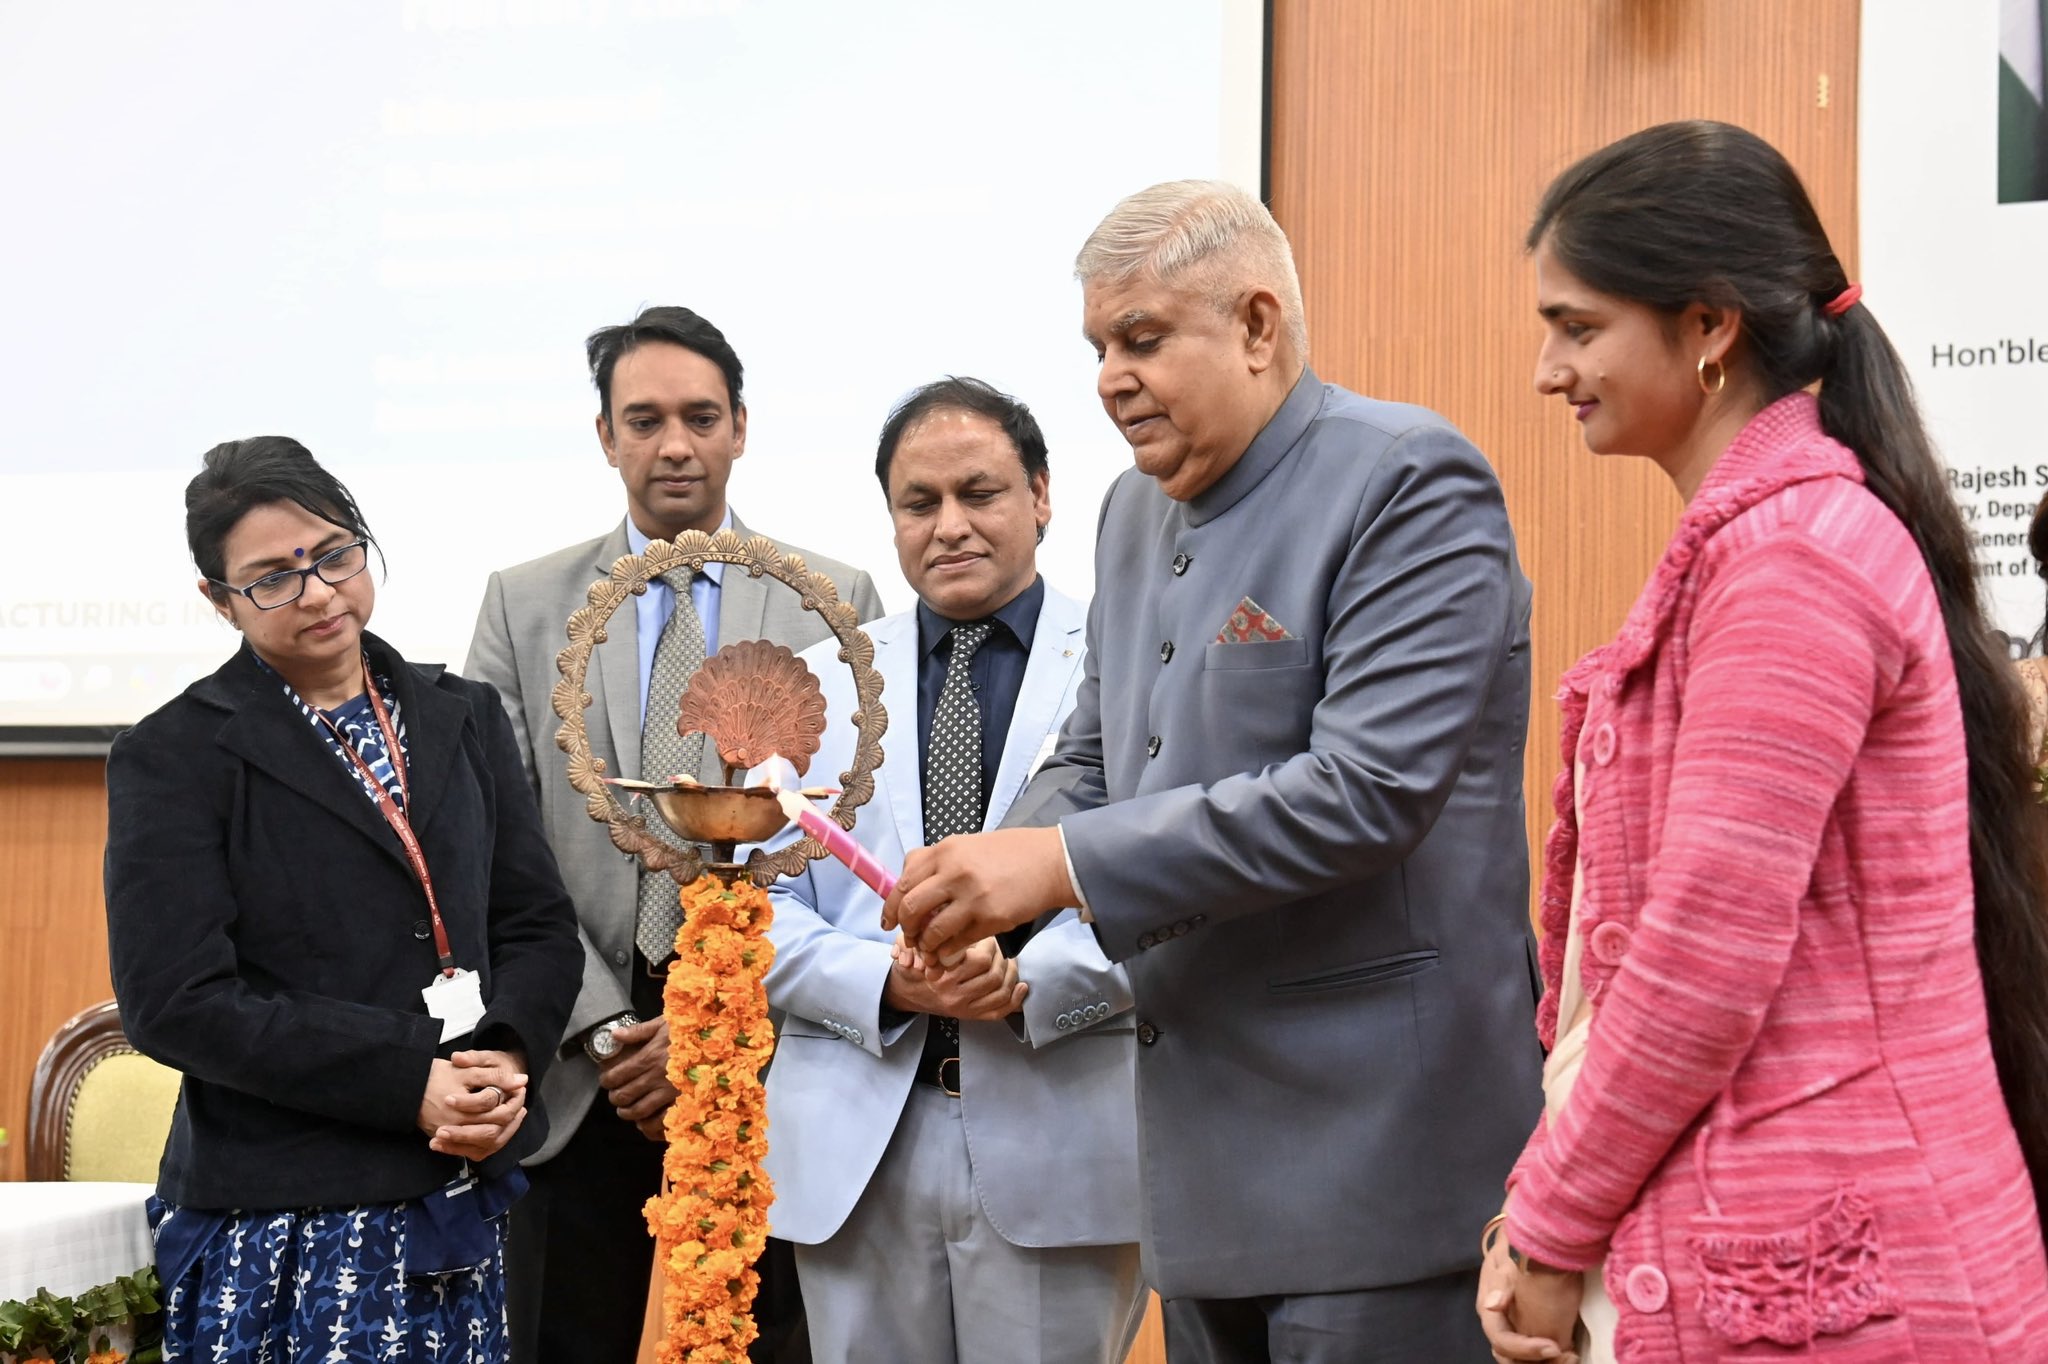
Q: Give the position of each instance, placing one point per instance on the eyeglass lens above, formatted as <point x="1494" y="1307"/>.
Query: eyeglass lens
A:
<point x="335" y="566"/>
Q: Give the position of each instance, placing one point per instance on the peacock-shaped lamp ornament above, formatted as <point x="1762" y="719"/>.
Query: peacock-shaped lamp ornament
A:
<point x="752" y="701"/>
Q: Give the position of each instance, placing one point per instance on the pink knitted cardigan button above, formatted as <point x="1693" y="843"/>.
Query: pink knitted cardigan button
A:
<point x="1648" y="1290"/>
<point x="1603" y="745"/>
<point x="1610" y="943"/>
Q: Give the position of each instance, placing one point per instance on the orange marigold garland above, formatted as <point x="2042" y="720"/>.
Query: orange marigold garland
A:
<point x="711" y="1218"/>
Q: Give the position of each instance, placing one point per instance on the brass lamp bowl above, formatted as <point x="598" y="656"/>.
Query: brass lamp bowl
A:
<point x="713" y="814"/>
<point x="630" y="831"/>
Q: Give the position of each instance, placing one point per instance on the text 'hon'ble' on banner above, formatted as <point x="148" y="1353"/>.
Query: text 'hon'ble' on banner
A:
<point x="1953" y="161"/>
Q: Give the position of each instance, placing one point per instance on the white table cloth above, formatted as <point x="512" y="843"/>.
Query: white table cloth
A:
<point x="68" y="1237"/>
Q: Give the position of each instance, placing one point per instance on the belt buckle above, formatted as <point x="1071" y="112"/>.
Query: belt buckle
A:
<point x="939" y="1077"/>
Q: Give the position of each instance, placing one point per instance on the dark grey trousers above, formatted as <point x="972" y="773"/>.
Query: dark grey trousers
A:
<point x="1431" y="1322"/>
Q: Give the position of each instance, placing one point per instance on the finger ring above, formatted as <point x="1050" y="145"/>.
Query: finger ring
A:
<point x="499" y="1092"/>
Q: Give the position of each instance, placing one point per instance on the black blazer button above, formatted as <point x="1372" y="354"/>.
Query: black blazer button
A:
<point x="422" y="930"/>
<point x="1152" y="747"/>
<point x="1180" y="564"/>
<point x="1166" y="652"/>
<point x="1147" y="1034"/>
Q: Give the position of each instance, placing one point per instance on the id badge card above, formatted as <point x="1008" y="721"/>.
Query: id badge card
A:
<point x="458" y="1001"/>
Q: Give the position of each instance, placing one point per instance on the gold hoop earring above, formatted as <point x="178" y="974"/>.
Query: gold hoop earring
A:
<point x="1720" y="376"/>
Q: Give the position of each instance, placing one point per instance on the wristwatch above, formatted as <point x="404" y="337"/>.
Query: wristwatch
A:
<point x="603" y="1042"/>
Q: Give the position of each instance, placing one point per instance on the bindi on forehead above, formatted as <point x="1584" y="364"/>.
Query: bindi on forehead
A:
<point x="256" y="563"/>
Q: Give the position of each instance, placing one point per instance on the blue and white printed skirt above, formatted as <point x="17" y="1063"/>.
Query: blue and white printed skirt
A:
<point x="325" y="1285"/>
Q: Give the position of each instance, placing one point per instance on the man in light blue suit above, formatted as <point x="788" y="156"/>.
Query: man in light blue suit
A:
<point x="953" y="1144"/>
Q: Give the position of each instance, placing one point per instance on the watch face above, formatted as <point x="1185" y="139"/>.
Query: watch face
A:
<point x="603" y="1039"/>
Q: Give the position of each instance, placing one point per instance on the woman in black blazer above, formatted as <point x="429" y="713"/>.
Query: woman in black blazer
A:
<point x="359" y="958"/>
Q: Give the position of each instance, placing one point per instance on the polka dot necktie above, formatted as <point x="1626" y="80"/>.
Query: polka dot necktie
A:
<point x="665" y="753"/>
<point x="952" y="768"/>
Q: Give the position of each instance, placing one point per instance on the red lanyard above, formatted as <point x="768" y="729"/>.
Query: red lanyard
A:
<point x="394" y="816"/>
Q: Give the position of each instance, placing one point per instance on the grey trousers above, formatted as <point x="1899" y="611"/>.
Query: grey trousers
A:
<point x="918" y="1276"/>
<point x="1431" y="1322"/>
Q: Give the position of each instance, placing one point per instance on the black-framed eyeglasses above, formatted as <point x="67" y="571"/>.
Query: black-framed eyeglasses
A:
<point x="286" y="586"/>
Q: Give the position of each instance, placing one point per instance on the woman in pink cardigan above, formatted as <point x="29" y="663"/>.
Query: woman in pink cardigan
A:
<point x="1794" y="939"/>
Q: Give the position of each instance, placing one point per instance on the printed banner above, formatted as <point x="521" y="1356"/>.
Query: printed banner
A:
<point x="1953" y="163"/>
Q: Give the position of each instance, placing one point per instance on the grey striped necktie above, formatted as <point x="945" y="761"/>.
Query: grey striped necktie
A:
<point x="664" y="754"/>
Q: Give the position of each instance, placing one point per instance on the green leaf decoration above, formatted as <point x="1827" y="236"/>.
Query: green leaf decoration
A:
<point x="69" y="1329"/>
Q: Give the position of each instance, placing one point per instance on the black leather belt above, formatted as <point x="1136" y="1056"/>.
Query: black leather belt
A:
<point x="939" y="1065"/>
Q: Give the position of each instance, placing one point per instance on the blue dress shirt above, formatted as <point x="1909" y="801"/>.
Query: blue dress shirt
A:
<point x="651" y="612"/>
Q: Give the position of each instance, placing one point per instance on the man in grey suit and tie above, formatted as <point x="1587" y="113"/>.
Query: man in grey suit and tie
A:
<point x="671" y="421"/>
<point x="1289" y="801"/>
<point x="954" y="1149"/>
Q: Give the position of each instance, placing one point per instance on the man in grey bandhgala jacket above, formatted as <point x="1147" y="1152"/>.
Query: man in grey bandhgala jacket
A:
<point x="1289" y="800"/>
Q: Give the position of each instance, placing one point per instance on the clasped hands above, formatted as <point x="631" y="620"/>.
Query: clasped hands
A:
<point x="475" y="1101"/>
<point x="978" y="982"/>
<point x="1528" y="1315"/>
<point x="975" y="983"/>
<point x="947" y="894"/>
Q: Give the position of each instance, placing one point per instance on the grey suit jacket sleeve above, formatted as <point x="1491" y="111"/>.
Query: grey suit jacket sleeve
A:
<point x="490" y="660"/>
<point x="1418" y="606"/>
<point x="1070" y="979"/>
<point x="867" y="603"/>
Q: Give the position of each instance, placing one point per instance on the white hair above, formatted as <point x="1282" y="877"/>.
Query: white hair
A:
<point x="1207" y="236"/>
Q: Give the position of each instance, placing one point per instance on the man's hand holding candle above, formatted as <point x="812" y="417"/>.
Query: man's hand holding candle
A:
<point x="973" y="886"/>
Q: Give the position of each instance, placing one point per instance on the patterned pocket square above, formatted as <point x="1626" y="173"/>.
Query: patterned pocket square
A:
<point x="1249" y="624"/>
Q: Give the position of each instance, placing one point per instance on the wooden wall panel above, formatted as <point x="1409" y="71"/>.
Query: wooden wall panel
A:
<point x="1410" y="141"/>
<point x="53" y="924"/>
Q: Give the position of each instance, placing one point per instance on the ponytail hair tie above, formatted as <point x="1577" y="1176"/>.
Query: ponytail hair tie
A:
<point x="1843" y="302"/>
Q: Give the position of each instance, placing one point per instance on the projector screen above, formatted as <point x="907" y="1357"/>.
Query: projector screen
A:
<point x="384" y="229"/>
